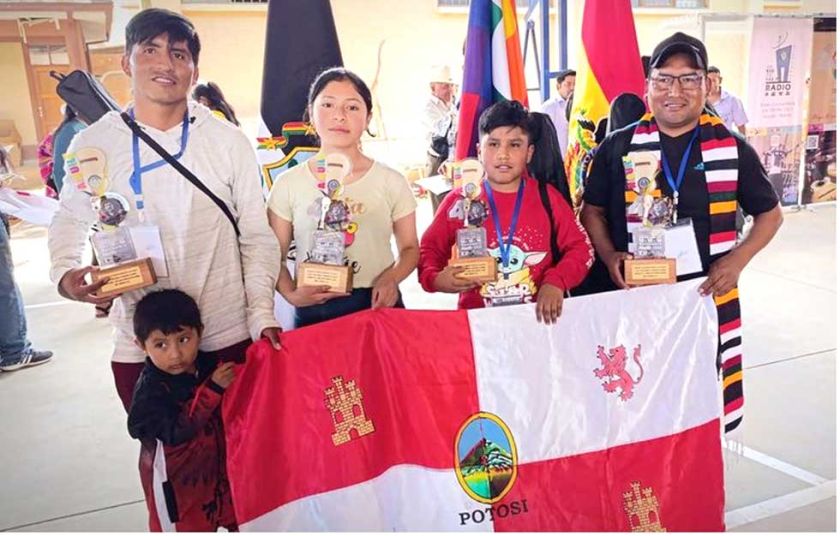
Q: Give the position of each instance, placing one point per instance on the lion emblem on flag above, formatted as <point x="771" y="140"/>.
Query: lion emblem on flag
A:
<point x="614" y="373"/>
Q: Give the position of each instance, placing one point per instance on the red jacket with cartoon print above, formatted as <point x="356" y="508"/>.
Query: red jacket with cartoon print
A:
<point x="178" y="421"/>
<point x="530" y="264"/>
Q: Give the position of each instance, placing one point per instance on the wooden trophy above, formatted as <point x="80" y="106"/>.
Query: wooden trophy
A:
<point x="470" y="251"/>
<point x="113" y="244"/>
<point x="326" y="264"/>
<point x="649" y="265"/>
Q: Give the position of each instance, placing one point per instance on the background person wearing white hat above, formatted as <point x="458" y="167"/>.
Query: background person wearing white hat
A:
<point x="440" y="118"/>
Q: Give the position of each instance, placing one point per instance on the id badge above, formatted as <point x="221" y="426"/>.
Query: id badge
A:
<point x="681" y="244"/>
<point x="147" y="243"/>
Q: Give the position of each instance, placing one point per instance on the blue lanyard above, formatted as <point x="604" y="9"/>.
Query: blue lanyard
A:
<point x="504" y="247"/>
<point x="136" y="180"/>
<point x="666" y="169"/>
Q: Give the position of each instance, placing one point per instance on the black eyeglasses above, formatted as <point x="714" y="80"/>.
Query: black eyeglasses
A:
<point x="663" y="82"/>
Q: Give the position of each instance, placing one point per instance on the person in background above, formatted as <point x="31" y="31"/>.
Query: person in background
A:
<point x="211" y="96"/>
<point x="725" y="104"/>
<point x="72" y="124"/>
<point x="16" y="351"/>
<point x="46" y="164"/>
<point x="440" y="119"/>
<point x="555" y="107"/>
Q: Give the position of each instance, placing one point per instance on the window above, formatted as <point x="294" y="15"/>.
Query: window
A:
<point x="48" y="55"/>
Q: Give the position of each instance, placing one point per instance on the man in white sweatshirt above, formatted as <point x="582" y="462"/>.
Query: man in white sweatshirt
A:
<point x="232" y="278"/>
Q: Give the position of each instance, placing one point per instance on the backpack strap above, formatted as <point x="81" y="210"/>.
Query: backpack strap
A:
<point x="135" y="128"/>
<point x="555" y="251"/>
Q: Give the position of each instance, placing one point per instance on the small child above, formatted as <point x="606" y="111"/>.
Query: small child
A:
<point x="176" y="416"/>
<point x="518" y="220"/>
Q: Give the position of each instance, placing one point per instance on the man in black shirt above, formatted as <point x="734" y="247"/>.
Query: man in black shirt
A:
<point x="676" y="91"/>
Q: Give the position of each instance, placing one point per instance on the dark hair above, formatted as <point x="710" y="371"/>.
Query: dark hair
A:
<point x="505" y="114"/>
<point x="546" y="164"/>
<point x="646" y="66"/>
<point x="562" y="75"/>
<point x="569" y="102"/>
<point x="166" y="310"/>
<point x="70" y="114"/>
<point x="150" y="23"/>
<point x="713" y="69"/>
<point x="338" y="74"/>
<point x="214" y="95"/>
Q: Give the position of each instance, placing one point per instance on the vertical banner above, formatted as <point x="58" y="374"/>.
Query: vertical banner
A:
<point x="822" y="107"/>
<point x="780" y="149"/>
<point x="821" y="145"/>
<point x="820" y="167"/>
<point x="780" y="54"/>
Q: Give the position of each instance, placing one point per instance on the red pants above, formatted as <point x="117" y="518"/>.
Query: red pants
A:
<point x="126" y="374"/>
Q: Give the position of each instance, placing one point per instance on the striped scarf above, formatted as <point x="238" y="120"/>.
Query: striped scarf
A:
<point x="719" y="152"/>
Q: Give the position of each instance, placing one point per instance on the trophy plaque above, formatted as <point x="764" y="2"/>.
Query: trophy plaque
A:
<point x="471" y="254"/>
<point x="471" y="241"/>
<point x="124" y="277"/>
<point x="649" y="265"/>
<point x="325" y="264"/>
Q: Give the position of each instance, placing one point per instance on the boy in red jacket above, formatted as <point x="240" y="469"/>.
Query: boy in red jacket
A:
<point x="176" y="415"/>
<point x="517" y="224"/>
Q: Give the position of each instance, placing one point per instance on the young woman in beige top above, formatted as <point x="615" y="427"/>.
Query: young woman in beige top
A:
<point x="378" y="200"/>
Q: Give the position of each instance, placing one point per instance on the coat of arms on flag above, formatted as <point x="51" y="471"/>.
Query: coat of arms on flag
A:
<point x="344" y="401"/>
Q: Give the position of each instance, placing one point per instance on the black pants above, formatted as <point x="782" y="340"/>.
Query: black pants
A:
<point x="358" y="300"/>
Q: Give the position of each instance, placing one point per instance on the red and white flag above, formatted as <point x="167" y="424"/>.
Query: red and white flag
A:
<point x="485" y="420"/>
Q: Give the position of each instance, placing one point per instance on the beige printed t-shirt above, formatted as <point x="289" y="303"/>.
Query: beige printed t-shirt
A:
<point x="376" y="200"/>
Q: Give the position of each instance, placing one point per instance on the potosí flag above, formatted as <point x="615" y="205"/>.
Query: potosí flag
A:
<point x="493" y="68"/>
<point x="485" y="420"/>
<point x="609" y="64"/>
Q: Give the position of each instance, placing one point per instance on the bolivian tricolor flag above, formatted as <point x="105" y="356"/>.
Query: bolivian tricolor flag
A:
<point x="493" y="68"/>
<point x="608" y="65"/>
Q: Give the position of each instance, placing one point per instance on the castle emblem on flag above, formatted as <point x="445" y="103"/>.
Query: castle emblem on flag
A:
<point x="344" y="400"/>
<point x="485" y="458"/>
<point x="614" y="373"/>
<point x="642" y="508"/>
